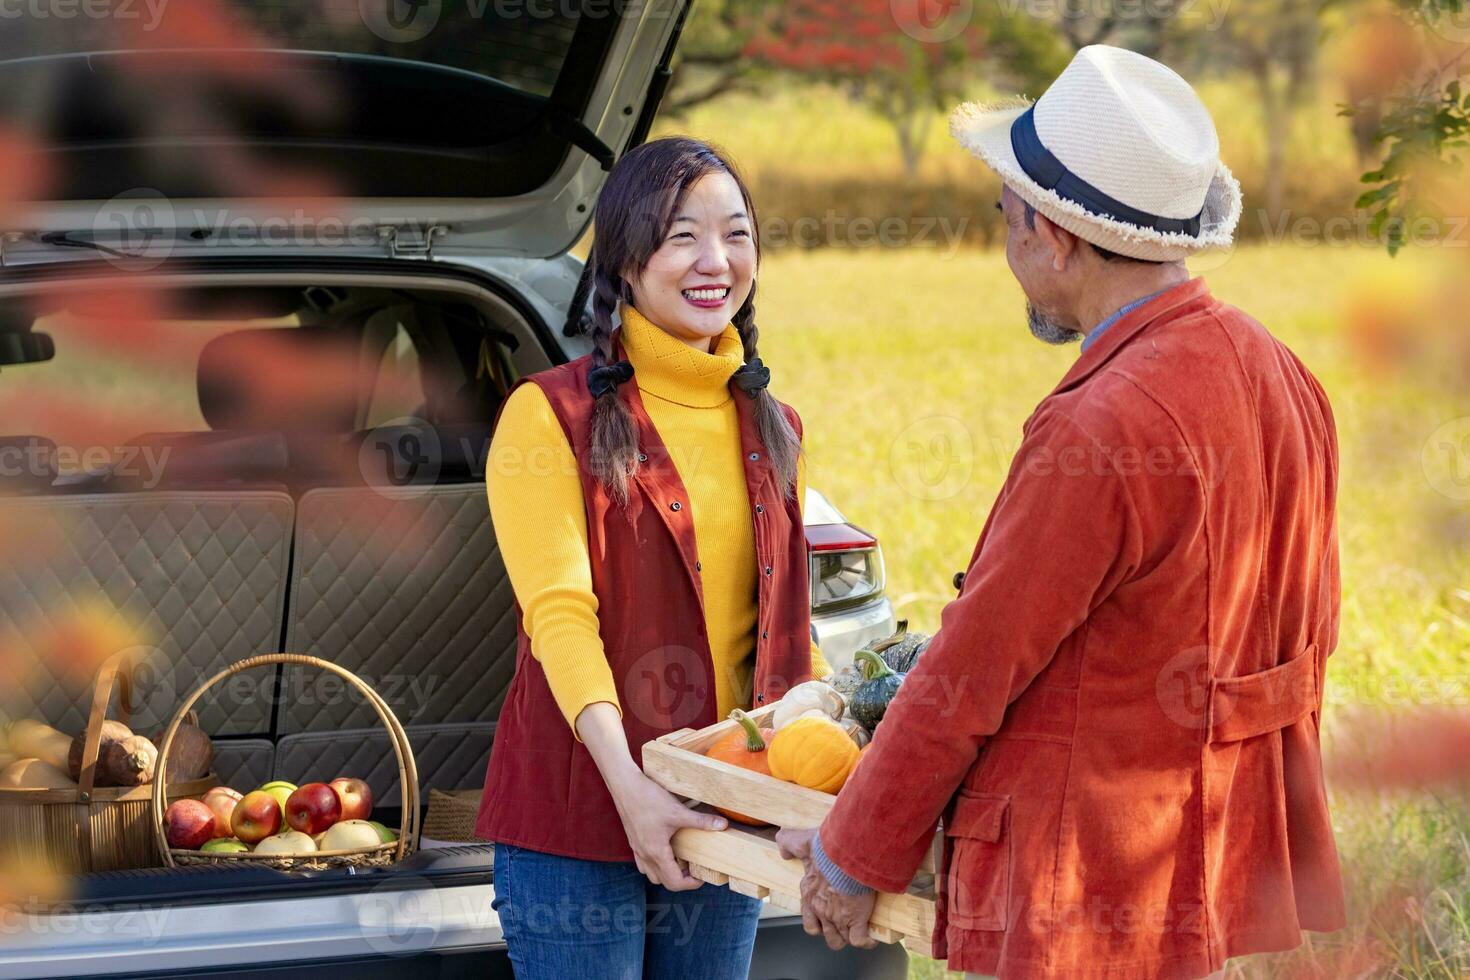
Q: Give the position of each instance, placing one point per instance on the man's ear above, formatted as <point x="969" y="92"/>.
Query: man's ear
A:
<point x="1063" y="243"/>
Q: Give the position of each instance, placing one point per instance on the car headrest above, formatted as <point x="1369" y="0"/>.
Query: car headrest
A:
<point x="289" y="379"/>
<point x="27" y="464"/>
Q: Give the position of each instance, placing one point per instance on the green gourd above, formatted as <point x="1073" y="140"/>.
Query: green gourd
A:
<point x="870" y="702"/>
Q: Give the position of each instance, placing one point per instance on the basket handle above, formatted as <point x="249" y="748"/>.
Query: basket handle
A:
<point x="109" y="674"/>
<point x="408" y="776"/>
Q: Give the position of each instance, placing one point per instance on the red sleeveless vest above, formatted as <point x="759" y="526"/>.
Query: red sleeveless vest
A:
<point x="542" y="789"/>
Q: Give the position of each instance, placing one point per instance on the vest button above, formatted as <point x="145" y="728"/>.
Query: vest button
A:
<point x="760" y="508"/>
<point x="642" y="457"/>
<point x="676" y="506"/>
<point x="754" y="457"/>
<point x="699" y="566"/>
<point x="761" y="697"/>
<point x="764" y="634"/>
<point x="768" y="569"/>
<point x="959" y="580"/>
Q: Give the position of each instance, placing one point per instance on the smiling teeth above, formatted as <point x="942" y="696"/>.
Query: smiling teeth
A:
<point x="706" y="294"/>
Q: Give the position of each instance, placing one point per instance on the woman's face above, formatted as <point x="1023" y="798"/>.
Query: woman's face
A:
<point x="705" y="268"/>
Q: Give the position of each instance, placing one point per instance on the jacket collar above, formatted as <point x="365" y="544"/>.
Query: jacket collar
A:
<point x="1188" y="296"/>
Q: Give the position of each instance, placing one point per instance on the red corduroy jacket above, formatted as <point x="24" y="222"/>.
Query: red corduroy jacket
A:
<point x="1118" y="718"/>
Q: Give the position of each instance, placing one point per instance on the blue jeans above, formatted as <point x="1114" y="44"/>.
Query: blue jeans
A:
<point x="566" y="919"/>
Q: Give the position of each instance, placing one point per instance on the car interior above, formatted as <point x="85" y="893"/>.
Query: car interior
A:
<point x="329" y="499"/>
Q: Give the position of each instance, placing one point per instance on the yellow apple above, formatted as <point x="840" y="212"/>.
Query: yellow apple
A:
<point x="350" y="835"/>
<point x="291" y="842"/>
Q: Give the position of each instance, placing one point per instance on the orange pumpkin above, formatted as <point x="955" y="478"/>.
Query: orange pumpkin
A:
<point x="744" y="747"/>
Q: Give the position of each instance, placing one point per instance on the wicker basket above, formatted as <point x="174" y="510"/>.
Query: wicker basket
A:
<point x="380" y="854"/>
<point x="92" y="828"/>
<point x="451" y="816"/>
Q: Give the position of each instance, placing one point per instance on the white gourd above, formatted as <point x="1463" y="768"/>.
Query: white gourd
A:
<point x="812" y="696"/>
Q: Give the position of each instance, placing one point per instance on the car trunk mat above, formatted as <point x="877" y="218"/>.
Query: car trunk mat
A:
<point x="448" y="757"/>
<point x="202" y="572"/>
<point x="405" y="587"/>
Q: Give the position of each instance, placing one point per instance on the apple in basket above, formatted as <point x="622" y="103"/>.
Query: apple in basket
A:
<point x="256" y="817"/>
<point x="288" y="842"/>
<point x="281" y="790"/>
<point x="188" y="824"/>
<point x="313" y="808"/>
<point x="356" y="796"/>
<point x="350" y="835"/>
<point x="222" y="800"/>
<point x="226" y="845"/>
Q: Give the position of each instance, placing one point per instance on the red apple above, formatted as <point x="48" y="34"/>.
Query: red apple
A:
<point x="356" y="796"/>
<point x="188" y="824"/>
<point x="256" y="817"/>
<point x="313" y="808"/>
<point x="222" y="801"/>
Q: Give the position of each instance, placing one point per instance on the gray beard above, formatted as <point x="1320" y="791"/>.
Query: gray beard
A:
<point x="1045" y="329"/>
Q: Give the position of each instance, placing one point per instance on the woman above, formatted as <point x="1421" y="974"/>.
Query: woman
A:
<point x="647" y="500"/>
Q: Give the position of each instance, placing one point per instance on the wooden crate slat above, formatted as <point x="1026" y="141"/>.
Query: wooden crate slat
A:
<point x="752" y="858"/>
<point x="677" y="763"/>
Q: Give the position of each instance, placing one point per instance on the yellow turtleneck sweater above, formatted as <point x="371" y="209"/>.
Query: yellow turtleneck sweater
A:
<point x="540" y="516"/>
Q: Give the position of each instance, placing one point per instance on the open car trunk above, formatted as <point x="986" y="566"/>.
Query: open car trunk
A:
<point x="259" y="487"/>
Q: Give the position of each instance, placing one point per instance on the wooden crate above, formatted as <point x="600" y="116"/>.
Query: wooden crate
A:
<point x="747" y="858"/>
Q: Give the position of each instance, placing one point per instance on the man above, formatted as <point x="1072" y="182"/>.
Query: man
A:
<point x="1118" y="718"/>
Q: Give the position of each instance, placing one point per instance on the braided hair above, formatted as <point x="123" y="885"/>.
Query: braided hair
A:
<point x="633" y="215"/>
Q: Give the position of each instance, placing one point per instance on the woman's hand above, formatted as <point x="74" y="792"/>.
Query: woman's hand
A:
<point x="650" y="814"/>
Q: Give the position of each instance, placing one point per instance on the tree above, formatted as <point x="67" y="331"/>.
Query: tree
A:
<point x="1425" y="124"/>
<point x="1276" y="41"/>
<point x="893" y="54"/>
<point x="711" y="56"/>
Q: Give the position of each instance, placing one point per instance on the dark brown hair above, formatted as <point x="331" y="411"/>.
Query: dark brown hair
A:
<point x="634" y="213"/>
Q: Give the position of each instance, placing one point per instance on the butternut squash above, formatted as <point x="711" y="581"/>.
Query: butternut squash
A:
<point x="34" y="774"/>
<point x="31" y="739"/>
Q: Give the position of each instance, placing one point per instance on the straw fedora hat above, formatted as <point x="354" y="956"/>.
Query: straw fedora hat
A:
<point x="1119" y="151"/>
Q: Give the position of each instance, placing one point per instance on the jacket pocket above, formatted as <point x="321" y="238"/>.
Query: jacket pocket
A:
<point x="978" y="883"/>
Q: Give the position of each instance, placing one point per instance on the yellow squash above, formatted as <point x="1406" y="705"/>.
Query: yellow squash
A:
<point x="813" y="751"/>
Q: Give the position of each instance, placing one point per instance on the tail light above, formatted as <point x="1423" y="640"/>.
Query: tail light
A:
<point x="846" y="565"/>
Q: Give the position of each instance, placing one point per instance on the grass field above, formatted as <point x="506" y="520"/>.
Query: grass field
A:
<point x="914" y="373"/>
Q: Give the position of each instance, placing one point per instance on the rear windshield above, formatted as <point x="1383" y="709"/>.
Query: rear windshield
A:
<point x="523" y="43"/>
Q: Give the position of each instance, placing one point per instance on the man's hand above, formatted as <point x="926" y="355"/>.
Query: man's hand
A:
<point x="842" y="919"/>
